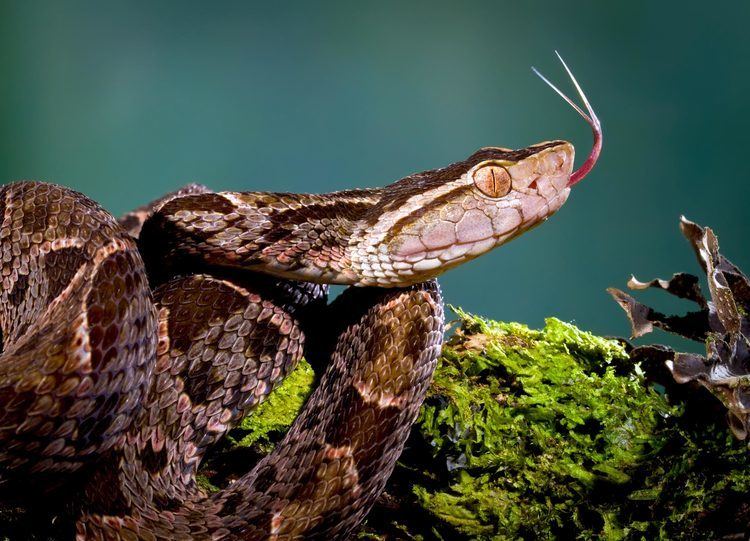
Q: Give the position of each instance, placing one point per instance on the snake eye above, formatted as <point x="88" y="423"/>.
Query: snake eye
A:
<point x="493" y="180"/>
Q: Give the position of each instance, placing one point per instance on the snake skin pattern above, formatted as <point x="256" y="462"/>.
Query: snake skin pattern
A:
<point x="131" y="347"/>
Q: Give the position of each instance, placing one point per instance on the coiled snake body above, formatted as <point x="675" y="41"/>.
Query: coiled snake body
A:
<point x="131" y="347"/>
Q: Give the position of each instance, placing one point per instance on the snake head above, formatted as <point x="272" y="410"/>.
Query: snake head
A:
<point x="432" y="221"/>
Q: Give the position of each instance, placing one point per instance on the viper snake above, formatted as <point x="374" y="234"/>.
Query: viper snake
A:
<point x="132" y="346"/>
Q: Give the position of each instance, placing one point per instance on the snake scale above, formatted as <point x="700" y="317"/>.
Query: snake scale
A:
<point x="130" y="347"/>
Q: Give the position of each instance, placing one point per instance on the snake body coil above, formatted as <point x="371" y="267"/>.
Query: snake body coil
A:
<point x="131" y="347"/>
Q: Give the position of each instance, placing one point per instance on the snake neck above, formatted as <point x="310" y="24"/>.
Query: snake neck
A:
<point x="292" y="236"/>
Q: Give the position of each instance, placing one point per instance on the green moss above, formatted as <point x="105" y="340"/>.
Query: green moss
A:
<point x="205" y="484"/>
<point x="278" y="411"/>
<point x="529" y="422"/>
<point x="552" y="434"/>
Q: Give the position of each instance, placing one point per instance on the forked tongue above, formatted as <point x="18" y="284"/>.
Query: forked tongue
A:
<point x="591" y="118"/>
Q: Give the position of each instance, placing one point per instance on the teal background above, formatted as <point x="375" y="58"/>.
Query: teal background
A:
<point x="127" y="100"/>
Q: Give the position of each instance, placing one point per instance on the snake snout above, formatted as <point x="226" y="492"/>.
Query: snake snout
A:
<point x="546" y="172"/>
<point x="556" y="167"/>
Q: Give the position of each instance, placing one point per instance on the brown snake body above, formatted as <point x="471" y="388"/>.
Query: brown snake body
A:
<point x="130" y="348"/>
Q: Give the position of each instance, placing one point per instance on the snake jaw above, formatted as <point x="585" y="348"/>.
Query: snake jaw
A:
<point x="590" y="118"/>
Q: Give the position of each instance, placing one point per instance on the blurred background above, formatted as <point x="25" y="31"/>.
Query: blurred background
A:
<point x="127" y="100"/>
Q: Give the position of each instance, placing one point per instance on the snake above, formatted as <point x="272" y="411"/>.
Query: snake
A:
<point x="131" y="346"/>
